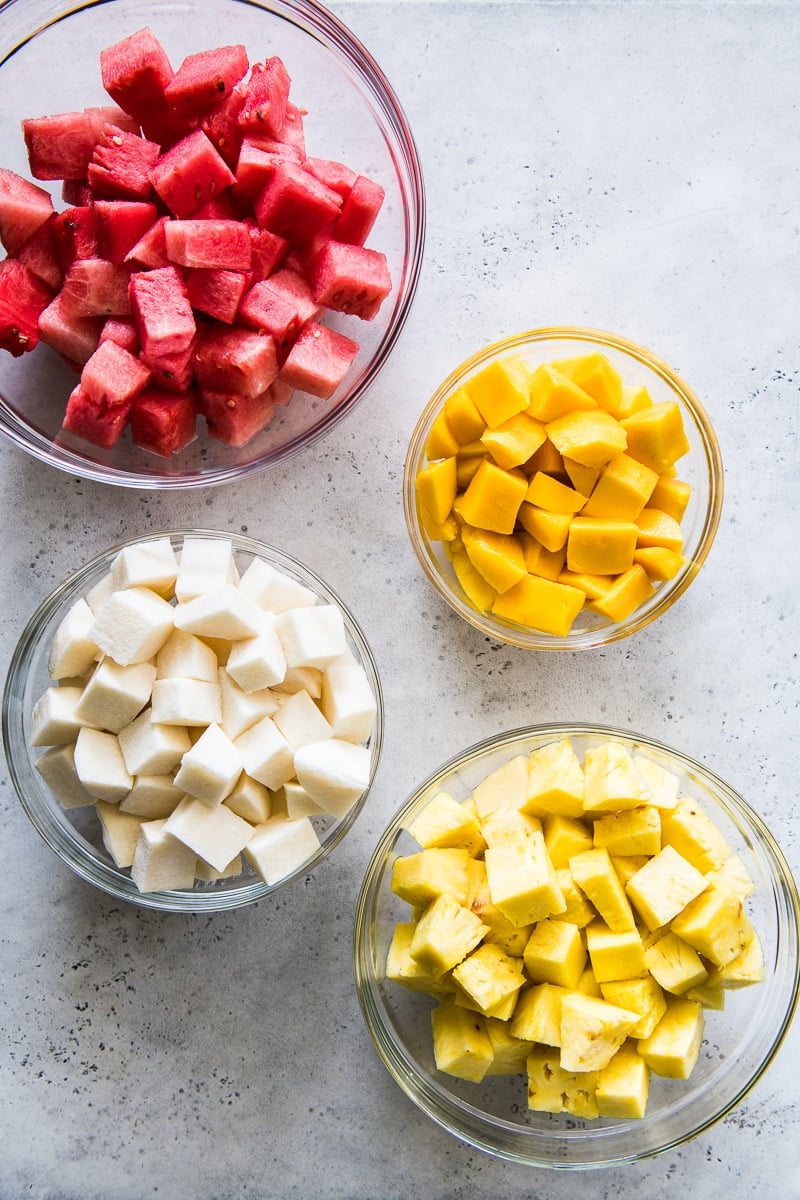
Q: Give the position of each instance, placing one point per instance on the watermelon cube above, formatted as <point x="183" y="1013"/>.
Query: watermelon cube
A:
<point x="119" y="225"/>
<point x="281" y="305"/>
<point x="359" y="211"/>
<point x="190" y="174"/>
<point x="24" y="208"/>
<point x="217" y="293"/>
<point x="294" y="204"/>
<point x="121" y="165"/>
<point x="59" y="146"/>
<point x="281" y="392"/>
<point x="39" y="255"/>
<point x="163" y="422"/>
<point x="267" y="251"/>
<point x="74" y="235"/>
<point x="135" y="72"/>
<point x="204" y="79"/>
<point x="114" y="375"/>
<point x="221" y="244"/>
<point x="75" y="338"/>
<point x="151" y="248"/>
<point x="161" y="311"/>
<point x="266" y="97"/>
<point x="122" y="331"/>
<point x="23" y="298"/>
<point x="95" y="287"/>
<point x="221" y="126"/>
<point x="172" y="372"/>
<point x="93" y="420"/>
<point x="221" y="208"/>
<point x="236" y="419"/>
<point x="350" y="279"/>
<point x="235" y="361"/>
<point x="319" y="360"/>
<point x="76" y="193"/>
<point x="292" y="134"/>
<point x="110" y="114"/>
<point x="256" y="165"/>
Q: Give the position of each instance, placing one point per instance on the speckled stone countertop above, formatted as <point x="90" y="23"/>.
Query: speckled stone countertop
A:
<point x="629" y="166"/>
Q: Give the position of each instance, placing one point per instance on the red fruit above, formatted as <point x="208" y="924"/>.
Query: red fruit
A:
<point x="319" y="360"/>
<point x="256" y="166"/>
<point x="151" y="249"/>
<point x="266" y="97"/>
<point x="217" y="292"/>
<point x="120" y="224"/>
<point x="24" y="208"/>
<point x="294" y="204"/>
<point x="76" y="193"/>
<point x="23" y="298"/>
<point x="161" y="311"/>
<point x="292" y="134"/>
<point x="350" y="279"/>
<point x="190" y="174"/>
<point x="267" y="251"/>
<point x="95" y="287"/>
<point x="203" y="80"/>
<point x="221" y="244"/>
<point x="93" y="420"/>
<point x="221" y="208"/>
<point x="281" y="305"/>
<point x="359" y="211"/>
<point x="122" y="331"/>
<point x="113" y="374"/>
<point x="235" y="361"/>
<point x="74" y="235"/>
<point x="135" y="73"/>
<point x="221" y="126"/>
<point x="236" y="419"/>
<point x="59" y="146"/>
<point x="39" y="255"/>
<point x="168" y="127"/>
<point x="163" y="422"/>
<point x="121" y="165"/>
<point x="281" y="392"/>
<point x="110" y="114"/>
<point x="335" y="175"/>
<point x="173" y="372"/>
<point x="75" y="338"/>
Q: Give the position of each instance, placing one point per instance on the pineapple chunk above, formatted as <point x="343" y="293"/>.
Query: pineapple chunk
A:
<point x="444" y="822"/>
<point x="633" y="831"/>
<point x="489" y="977"/>
<point x="461" y="1045"/>
<point x="623" y="1085"/>
<point x="578" y="910"/>
<point x="642" y="996"/>
<point x="420" y="878"/>
<point x="694" y="835"/>
<point x="537" y="1017"/>
<point x="509" y="1053"/>
<point x="744" y="969"/>
<point x="615" y="954"/>
<point x="715" y="924"/>
<point x="659" y="786"/>
<point x="591" y="1031"/>
<point x="594" y="873"/>
<point x="505" y="787"/>
<point x="588" y="984"/>
<point x="565" y="836"/>
<point x="555" y="783"/>
<point x="405" y="970"/>
<point x="612" y="781"/>
<point x="672" y="1049"/>
<point x="505" y="827"/>
<point x="555" y="953"/>
<point x="710" y="995"/>
<point x="522" y="882"/>
<point x="553" y="1089"/>
<point x="734" y="875"/>
<point x="626" y="865"/>
<point x="445" y="933"/>
<point x="664" y="886"/>
<point x="675" y="965"/>
<point x="511" y="938"/>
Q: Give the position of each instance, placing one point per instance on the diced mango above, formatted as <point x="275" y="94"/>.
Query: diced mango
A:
<point x="555" y="953"/>
<point x="672" y="1049"/>
<point x="624" y="595"/>
<point x="446" y="822"/>
<point x="597" y="375"/>
<point x="522" y="881"/>
<point x="420" y="878"/>
<point x="555" y="780"/>
<point x="658" y="528"/>
<point x="591" y="438"/>
<point x="615" y="954"/>
<point x="540" y="604"/>
<point x="539" y="560"/>
<point x="634" y="398"/>
<point x="515" y="441"/>
<point x="553" y="394"/>
<point x="479" y="593"/>
<point x="442" y="442"/>
<point x="461" y="1045"/>
<point x="581" y="477"/>
<point x="497" y="557"/>
<point x="671" y="496"/>
<point x="444" y="934"/>
<point x="565" y="836"/>
<point x="612" y="782"/>
<point x="468" y="460"/>
<point x="594" y="873"/>
<point x="436" y="488"/>
<point x="500" y="390"/>
<point x="549" y="528"/>
<point x="632" y="831"/>
<point x="656" y="436"/>
<point x="623" y="1085"/>
<point x="623" y="489"/>
<point x="594" y="586"/>
<point x="546" y="492"/>
<point x="664" y="886"/>
<point x="493" y="498"/>
<point x="547" y="458"/>
<point x="643" y="996"/>
<point x="674" y="964"/>
<point x="601" y="545"/>
<point x="439" y="531"/>
<point x="592" y="1030"/>
<point x="463" y="418"/>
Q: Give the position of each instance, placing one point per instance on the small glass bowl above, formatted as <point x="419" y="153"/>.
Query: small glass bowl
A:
<point x="741" y="1040"/>
<point x="701" y="467"/>
<point x="49" y="63"/>
<point x="74" y="834"/>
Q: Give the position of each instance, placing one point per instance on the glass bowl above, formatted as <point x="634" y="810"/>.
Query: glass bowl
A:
<point x="740" y="1041"/>
<point x="701" y="467"/>
<point x="74" y="833"/>
<point x="49" y="61"/>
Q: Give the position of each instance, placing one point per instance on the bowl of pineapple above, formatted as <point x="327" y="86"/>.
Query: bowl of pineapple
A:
<point x="575" y="946"/>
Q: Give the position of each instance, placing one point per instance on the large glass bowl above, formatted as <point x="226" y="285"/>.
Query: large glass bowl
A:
<point x="74" y="833"/>
<point x="740" y="1042"/>
<point x="701" y="467"/>
<point x="49" y="63"/>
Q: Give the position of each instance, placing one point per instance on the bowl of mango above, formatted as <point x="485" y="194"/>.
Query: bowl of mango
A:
<point x="576" y="946"/>
<point x="562" y="488"/>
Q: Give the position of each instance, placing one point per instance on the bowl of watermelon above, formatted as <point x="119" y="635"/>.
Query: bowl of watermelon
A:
<point x="210" y="250"/>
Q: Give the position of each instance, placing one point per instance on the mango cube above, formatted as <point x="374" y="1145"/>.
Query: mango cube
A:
<point x="541" y="604"/>
<point x="541" y="561"/>
<point x="493" y="498"/>
<point x="672" y="1049"/>
<point x="581" y="477"/>
<point x="658" y="528"/>
<point x="435" y="487"/>
<point x="659" y="562"/>
<point x="623" y="489"/>
<point x="623" y="1085"/>
<point x="672" y="496"/>
<point x="555" y="953"/>
<point x="500" y="390"/>
<point x="441" y="441"/>
<point x="597" y="375"/>
<point x="625" y="595"/>
<point x="461" y="1045"/>
<point x="546" y="492"/>
<point x="463" y="418"/>
<point x="589" y="437"/>
<point x="479" y="593"/>
<point x="515" y="441"/>
<point x="548" y="527"/>
<point x="553" y="394"/>
<point x="497" y="556"/>
<point x="601" y="545"/>
<point x="655" y="435"/>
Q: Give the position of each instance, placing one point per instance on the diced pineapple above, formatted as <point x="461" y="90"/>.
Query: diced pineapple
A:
<point x="734" y="875"/>
<point x="489" y="977"/>
<point x="623" y="1085"/>
<point x="509" y="1053"/>
<point x="506" y="826"/>
<point x="445" y="822"/>
<point x="445" y="933"/>
<point x="672" y="1049"/>
<point x="710" y="995"/>
<point x="420" y="878"/>
<point x="612" y="781"/>
<point x="592" y="1031"/>
<point x="715" y="924"/>
<point x="694" y="835"/>
<point x="664" y="886"/>
<point x="461" y="1045"/>
<point x="404" y="969"/>
<point x="537" y="1017"/>
<point x="578" y="910"/>
<point x="553" y="1089"/>
<point x="642" y="996"/>
<point x="555" y="783"/>
<point x="745" y="968"/>
<point x="594" y="874"/>
<point x="505" y="787"/>
<point x="511" y="938"/>
<point x="555" y="953"/>
<point x="522" y="881"/>
<point x="659" y="786"/>
<point x="565" y="836"/>
<point x="675" y="965"/>
<point x="626" y="865"/>
<point x="633" y="831"/>
<point x="615" y="954"/>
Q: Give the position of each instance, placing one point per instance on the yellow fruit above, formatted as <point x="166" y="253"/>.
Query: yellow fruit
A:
<point x="623" y="1085"/>
<point x="555" y="781"/>
<point x="445" y="933"/>
<point x="664" y="886"/>
<point x="546" y="492"/>
<point x="615" y="954"/>
<point x="505" y="787"/>
<point x="592" y="1030"/>
<point x="509" y="1054"/>
<point x="643" y="996"/>
<point x="601" y="545"/>
<point x="565" y="836"/>
<point x="624" y="487"/>
<point x="555" y="953"/>
<point x="540" y="604"/>
<point x="461" y="1045"/>
<point x="612" y="781"/>
<point x="515" y="441"/>
<point x="553" y="1089"/>
<point x="488" y="976"/>
<point x="553" y="394"/>
<point x="672" y="1049"/>
<point x="446" y="822"/>
<point x="493" y="497"/>
<point x="436" y="488"/>
<point x="420" y="878"/>
<point x="500" y="389"/>
<point x="522" y="881"/>
<point x="694" y="835"/>
<point x="655" y="435"/>
<point x="537" y="1016"/>
<point x="624" y="595"/>
<point x="634" y="831"/>
<point x="675" y="965"/>
<point x="404" y="969"/>
<point x="594" y="873"/>
<point x="590" y="438"/>
<point x="597" y="375"/>
<point x="715" y="924"/>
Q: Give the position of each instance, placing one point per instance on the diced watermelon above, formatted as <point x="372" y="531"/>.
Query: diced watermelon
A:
<point x="266" y="97"/>
<point x="161" y="311"/>
<point x="59" y="146"/>
<point x="95" y="287"/>
<point x="74" y="235"/>
<point x="120" y="224"/>
<point x="75" y="338"/>
<point x="221" y="126"/>
<point x="39" y="255"/>
<point x="190" y="174"/>
<point x="234" y="418"/>
<point x="350" y="279"/>
<point x="110" y="114"/>
<point x="23" y="298"/>
<point x="236" y="361"/>
<point x="292" y="134"/>
<point x="294" y="204"/>
<point x="217" y="292"/>
<point x="281" y="305"/>
<point x="319" y="360"/>
<point x="151" y="248"/>
<point x="256" y="166"/>
<point x="113" y="374"/>
<point x="335" y="175"/>
<point x="135" y="73"/>
<point x="281" y="392"/>
<point x="173" y="372"/>
<point x="24" y="208"/>
<point x="221" y="244"/>
<point x="168" y="127"/>
<point x="163" y="422"/>
<point x="121" y="165"/>
<point x="76" y="193"/>
<point x="205" y="79"/>
<point x="122" y="331"/>
<point x="359" y="211"/>
<point x="221" y="208"/>
<point x="94" y="421"/>
<point x="267" y="251"/>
